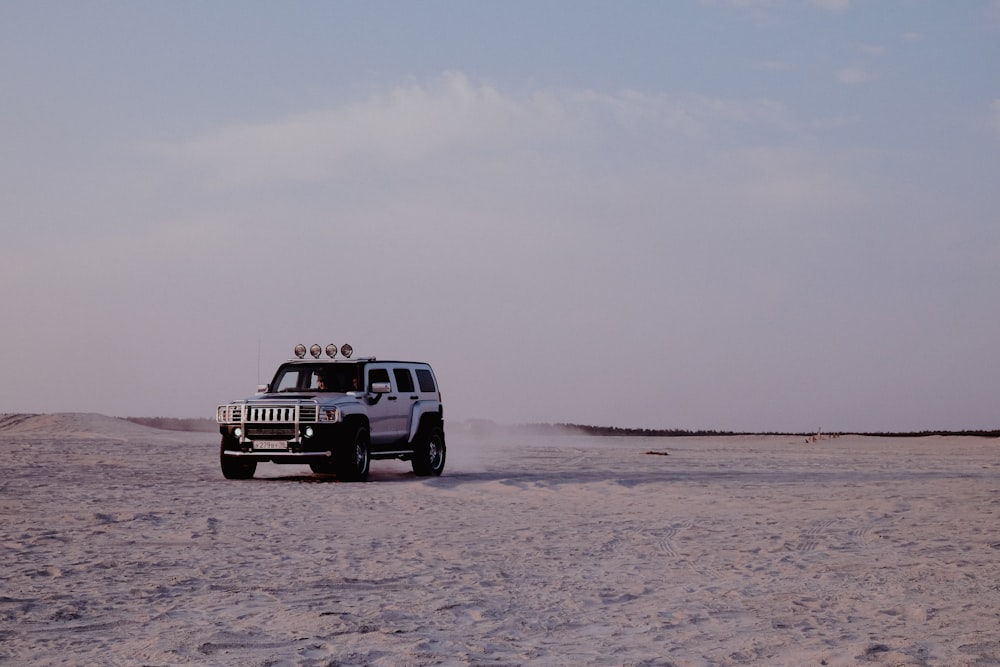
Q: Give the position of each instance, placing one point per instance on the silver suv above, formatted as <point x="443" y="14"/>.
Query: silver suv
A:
<point x="336" y="415"/>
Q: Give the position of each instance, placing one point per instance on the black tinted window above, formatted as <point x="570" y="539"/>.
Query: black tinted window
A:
<point x="426" y="380"/>
<point x="404" y="381"/>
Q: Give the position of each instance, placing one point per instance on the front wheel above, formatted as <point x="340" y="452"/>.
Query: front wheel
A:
<point x="323" y="468"/>
<point x="428" y="456"/>
<point x="235" y="467"/>
<point x="355" y="458"/>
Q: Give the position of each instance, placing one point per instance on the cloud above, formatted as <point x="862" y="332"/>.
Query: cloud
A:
<point x="828" y="5"/>
<point x="452" y="122"/>
<point x="832" y="5"/>
<point x="738" y="4"/>
<point x="407" y="124"/>
<point x="488" y="168"/>
<point x="853" y="75"/>
<point x="761" y="9"/>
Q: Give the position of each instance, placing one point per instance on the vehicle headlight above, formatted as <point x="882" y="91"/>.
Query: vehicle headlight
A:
<point x="331" y="415"/>
<point x="237" y="433"/>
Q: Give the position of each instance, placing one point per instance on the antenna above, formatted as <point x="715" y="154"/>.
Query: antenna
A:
<point x="258" y="359"/>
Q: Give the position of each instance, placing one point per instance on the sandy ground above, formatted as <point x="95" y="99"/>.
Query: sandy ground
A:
<point x="124" y="545"/>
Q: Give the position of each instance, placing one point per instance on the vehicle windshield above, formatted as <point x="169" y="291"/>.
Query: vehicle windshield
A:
<point x="321" y="377"/>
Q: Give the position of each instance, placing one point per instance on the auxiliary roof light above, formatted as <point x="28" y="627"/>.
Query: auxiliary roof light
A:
<point x="316" y="351"/>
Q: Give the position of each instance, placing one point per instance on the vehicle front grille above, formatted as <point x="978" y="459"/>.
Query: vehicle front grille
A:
<point x="254" y="413"/>
<point x="270" y="414"/>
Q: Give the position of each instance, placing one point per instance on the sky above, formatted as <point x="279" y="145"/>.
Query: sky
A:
<point x="698" y="214"/>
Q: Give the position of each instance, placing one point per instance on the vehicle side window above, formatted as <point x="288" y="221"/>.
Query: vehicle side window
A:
<point x="404" y="380"/>
<point x="377" y="375"/>
<point x="426" y="380"/>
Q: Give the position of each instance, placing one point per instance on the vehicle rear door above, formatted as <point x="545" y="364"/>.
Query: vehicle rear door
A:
<point x="406" y="386"/>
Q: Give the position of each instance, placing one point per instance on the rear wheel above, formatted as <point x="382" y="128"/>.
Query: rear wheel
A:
<point x="429" y="454"/>
<point x="235" y="467"/>
<point x="355" y="458"/>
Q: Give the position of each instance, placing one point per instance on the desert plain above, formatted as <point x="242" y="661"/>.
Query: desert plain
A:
<point x="124" y="545"/>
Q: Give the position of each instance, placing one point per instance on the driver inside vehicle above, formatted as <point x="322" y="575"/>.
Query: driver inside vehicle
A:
<point x="326" y="380"/>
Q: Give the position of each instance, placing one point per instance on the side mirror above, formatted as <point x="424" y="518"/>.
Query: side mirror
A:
<point x="381" y="387"/>
<point x="262" y="389"/>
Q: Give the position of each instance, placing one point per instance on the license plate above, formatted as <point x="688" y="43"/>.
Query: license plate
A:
<point x="270" y="444"/>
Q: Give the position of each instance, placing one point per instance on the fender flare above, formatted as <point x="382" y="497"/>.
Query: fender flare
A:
<point x="424" y="412"/>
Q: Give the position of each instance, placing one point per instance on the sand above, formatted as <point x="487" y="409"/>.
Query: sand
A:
<point x="123" y="545"/>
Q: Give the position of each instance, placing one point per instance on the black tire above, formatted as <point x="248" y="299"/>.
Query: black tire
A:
<point x="355" y="458"/>
<point x="235" y="467"/>
<point x="429" y="454"/>
<point x="323" y="468"/>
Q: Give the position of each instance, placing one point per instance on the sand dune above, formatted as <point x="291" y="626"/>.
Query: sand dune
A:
<point x="128" y="547"/>
<point x="76" y="424"/>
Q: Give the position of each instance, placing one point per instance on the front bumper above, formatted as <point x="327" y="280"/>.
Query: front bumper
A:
<point x="278" y="442"/>
<point x="269" y="454"/>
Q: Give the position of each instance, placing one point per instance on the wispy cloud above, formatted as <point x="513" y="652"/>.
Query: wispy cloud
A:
<point x="738" y="4"/>
<point x="829" y="5"/>
<point x="853" y="75"/>
<point x="833" y="5"/>
<point x="453" y="118"/>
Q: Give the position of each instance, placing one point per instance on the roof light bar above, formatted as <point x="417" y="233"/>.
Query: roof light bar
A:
<point x="316" y="351"/>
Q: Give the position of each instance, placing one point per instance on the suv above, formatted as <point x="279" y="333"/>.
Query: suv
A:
<point x="336" y="415"/>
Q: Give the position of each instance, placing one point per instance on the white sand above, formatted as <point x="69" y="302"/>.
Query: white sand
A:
<point x="124" y="545"/>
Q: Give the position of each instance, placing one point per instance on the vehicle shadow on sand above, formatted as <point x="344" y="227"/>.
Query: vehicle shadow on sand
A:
<point x="377" y="477"/>
<point x="456" y="479"/>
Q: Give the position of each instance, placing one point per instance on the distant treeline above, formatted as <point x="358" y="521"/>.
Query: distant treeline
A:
<point x="666" y="433"/>
<point x="175" y="424"/>
<point x="583" y="429"/>
<point x="920" y="434"/>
